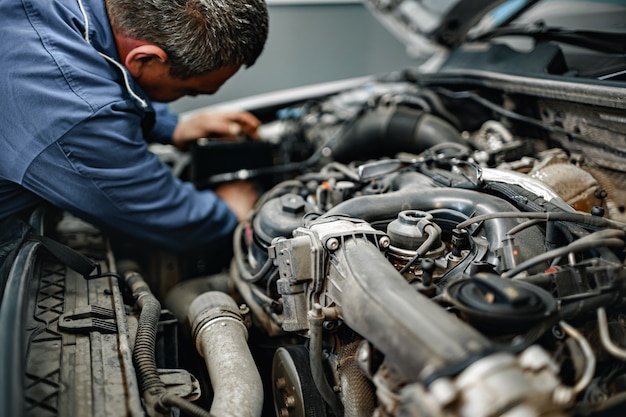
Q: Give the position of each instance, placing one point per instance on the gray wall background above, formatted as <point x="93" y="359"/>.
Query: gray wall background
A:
<point x="311" y="42"/>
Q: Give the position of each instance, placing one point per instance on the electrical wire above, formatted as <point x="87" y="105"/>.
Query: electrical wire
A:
<point x="432" y="237"/>
<point x="245" y="273"/>
<point x="523" y="226"/>
<point x="319" y="154"/>
<point x="342" y="168"/>
<point x="580" y="218"/>
<point x="602" y="238"/>
<point x="522" y="118"/>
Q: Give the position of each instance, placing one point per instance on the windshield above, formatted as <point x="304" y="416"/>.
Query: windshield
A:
<point x="591" y="34"/>
<point x="598" y="15"/>
<point x="595" y="15"/>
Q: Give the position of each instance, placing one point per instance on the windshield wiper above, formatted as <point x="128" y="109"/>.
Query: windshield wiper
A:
<point x="608" y="42"/>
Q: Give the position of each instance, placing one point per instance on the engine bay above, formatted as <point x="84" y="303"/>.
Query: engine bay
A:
<point x="422" y="247"/>
<point x="440" y="268"/>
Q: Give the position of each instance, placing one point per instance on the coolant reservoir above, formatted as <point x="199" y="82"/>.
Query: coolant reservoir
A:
<point x="407" y="230"/>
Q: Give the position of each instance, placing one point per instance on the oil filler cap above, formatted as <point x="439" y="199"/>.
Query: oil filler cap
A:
<point x="499" y="305"/>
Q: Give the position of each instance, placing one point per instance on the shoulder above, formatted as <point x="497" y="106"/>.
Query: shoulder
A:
<point x="50" y="61"/>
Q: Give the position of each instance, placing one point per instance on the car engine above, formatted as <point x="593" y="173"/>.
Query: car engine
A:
<point x="470" y="269"/>
<point x="424" y="246"/>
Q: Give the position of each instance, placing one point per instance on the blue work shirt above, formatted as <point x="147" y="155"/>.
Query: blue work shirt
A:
<point x="73" y="134"/>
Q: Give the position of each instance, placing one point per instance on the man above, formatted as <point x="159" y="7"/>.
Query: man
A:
<point x="84" y="84"/>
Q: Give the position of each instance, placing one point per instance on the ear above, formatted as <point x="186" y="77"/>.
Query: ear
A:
<point x="143" y="56"/>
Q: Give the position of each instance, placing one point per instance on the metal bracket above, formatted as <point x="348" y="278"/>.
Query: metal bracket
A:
<point x="86" y="319"/>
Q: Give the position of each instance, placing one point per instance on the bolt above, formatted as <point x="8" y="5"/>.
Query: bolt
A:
<point x="597" y="211"/>
<point x="332" y="243"/>
<point x="284" y="412"/>
<point x="558" y="333"/>
<point x="280" y="383"/>
<point x="292" y="203"/>
<point x="290" y="401"/>
<point x="330" y="325"/>
<point x="384" y="242"/>
<point x="364" y="353"/>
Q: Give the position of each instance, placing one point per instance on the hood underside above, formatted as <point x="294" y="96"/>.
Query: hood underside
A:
<point x="427" y="24"/>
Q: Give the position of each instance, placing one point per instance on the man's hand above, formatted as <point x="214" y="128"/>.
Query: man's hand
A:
<point x="226" y="125"/>
<point x="240" y="196"/>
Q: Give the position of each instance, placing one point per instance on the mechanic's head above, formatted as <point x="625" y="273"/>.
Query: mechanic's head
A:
<point x="198" y="35"/>
<point x="202" y="40"/>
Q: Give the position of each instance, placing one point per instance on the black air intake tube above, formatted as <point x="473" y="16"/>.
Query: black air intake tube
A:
<point x="386" y="131"/>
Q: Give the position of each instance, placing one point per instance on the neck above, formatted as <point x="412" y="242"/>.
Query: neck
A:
<point x="125" y="44"/>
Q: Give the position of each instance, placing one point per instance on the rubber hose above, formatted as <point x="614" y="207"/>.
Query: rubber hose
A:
<point x="386" y="131"/>
<point x="316" y="320"/>
<point x="145" y="341"/>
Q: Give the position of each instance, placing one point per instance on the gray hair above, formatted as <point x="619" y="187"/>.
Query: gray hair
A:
<point x="198" y="36"/>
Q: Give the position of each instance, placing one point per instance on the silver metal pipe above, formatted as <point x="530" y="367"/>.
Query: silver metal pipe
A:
<point x="180" y="296"/>
<point x="221" y="338"/>
<point x="605" y="337"/>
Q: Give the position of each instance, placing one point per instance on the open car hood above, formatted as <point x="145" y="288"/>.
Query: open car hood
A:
<point x="428" y="25"/>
